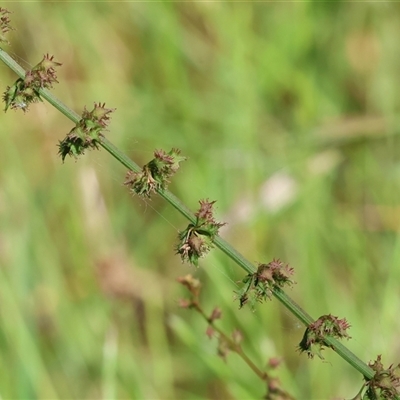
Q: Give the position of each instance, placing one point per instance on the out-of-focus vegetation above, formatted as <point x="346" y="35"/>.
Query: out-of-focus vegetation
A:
<point x="289" y="116"/>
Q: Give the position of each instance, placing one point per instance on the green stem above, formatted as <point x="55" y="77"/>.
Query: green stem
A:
<point x="234" y="346"/>
<point x="293" y="307"/>
<point x="350" y="357"/>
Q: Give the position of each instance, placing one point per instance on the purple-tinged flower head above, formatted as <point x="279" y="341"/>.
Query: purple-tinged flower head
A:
<point x="259" y="286"/>
<point x="197" y="239"/>
<point x="155" y="174"/>
<point x="27" y="91"/>
<point x="385" y="384"/>
<point x="86" y="133"/>
<point x="314" y="337"/>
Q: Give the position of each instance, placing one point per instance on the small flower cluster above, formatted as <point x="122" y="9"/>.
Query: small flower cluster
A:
<point x="259" y="286"/>
<point x="385" y="384"/>
<point x="197" y="239"/>
<point x="155" y="174"/>
<point x="274" y="388"/>
<point x="26" y="91"/>
<point x="4" y="25"/>
<point x="86" y="133"/>
<point x="314" y="337"/>
<point x="227" y="344"/>
<point x="216" y="314"/>
<point x="194" y="287"/>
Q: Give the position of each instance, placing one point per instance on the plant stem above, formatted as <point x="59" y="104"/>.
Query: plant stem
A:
<point x="234" y="346"/>
<point x="293" y="307"/>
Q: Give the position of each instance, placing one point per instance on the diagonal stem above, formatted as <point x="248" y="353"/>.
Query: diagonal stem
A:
<point x="224" y="246"/>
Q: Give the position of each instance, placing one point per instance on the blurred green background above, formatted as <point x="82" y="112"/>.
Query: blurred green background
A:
<point x="289" y="115"/>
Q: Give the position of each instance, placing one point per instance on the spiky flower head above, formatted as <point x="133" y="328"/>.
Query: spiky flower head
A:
<point x="197" y="239"/>
<point x="314" y="337"/>
<point x="86" y="133"/>
<point x="385" y="384"/>
<point x="27" y="91"/>
<point x="155" y="174"/>
<point x="259" y="286"/>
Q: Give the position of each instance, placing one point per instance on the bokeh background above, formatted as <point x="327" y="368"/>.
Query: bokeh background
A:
<point x="289" y="116"/>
